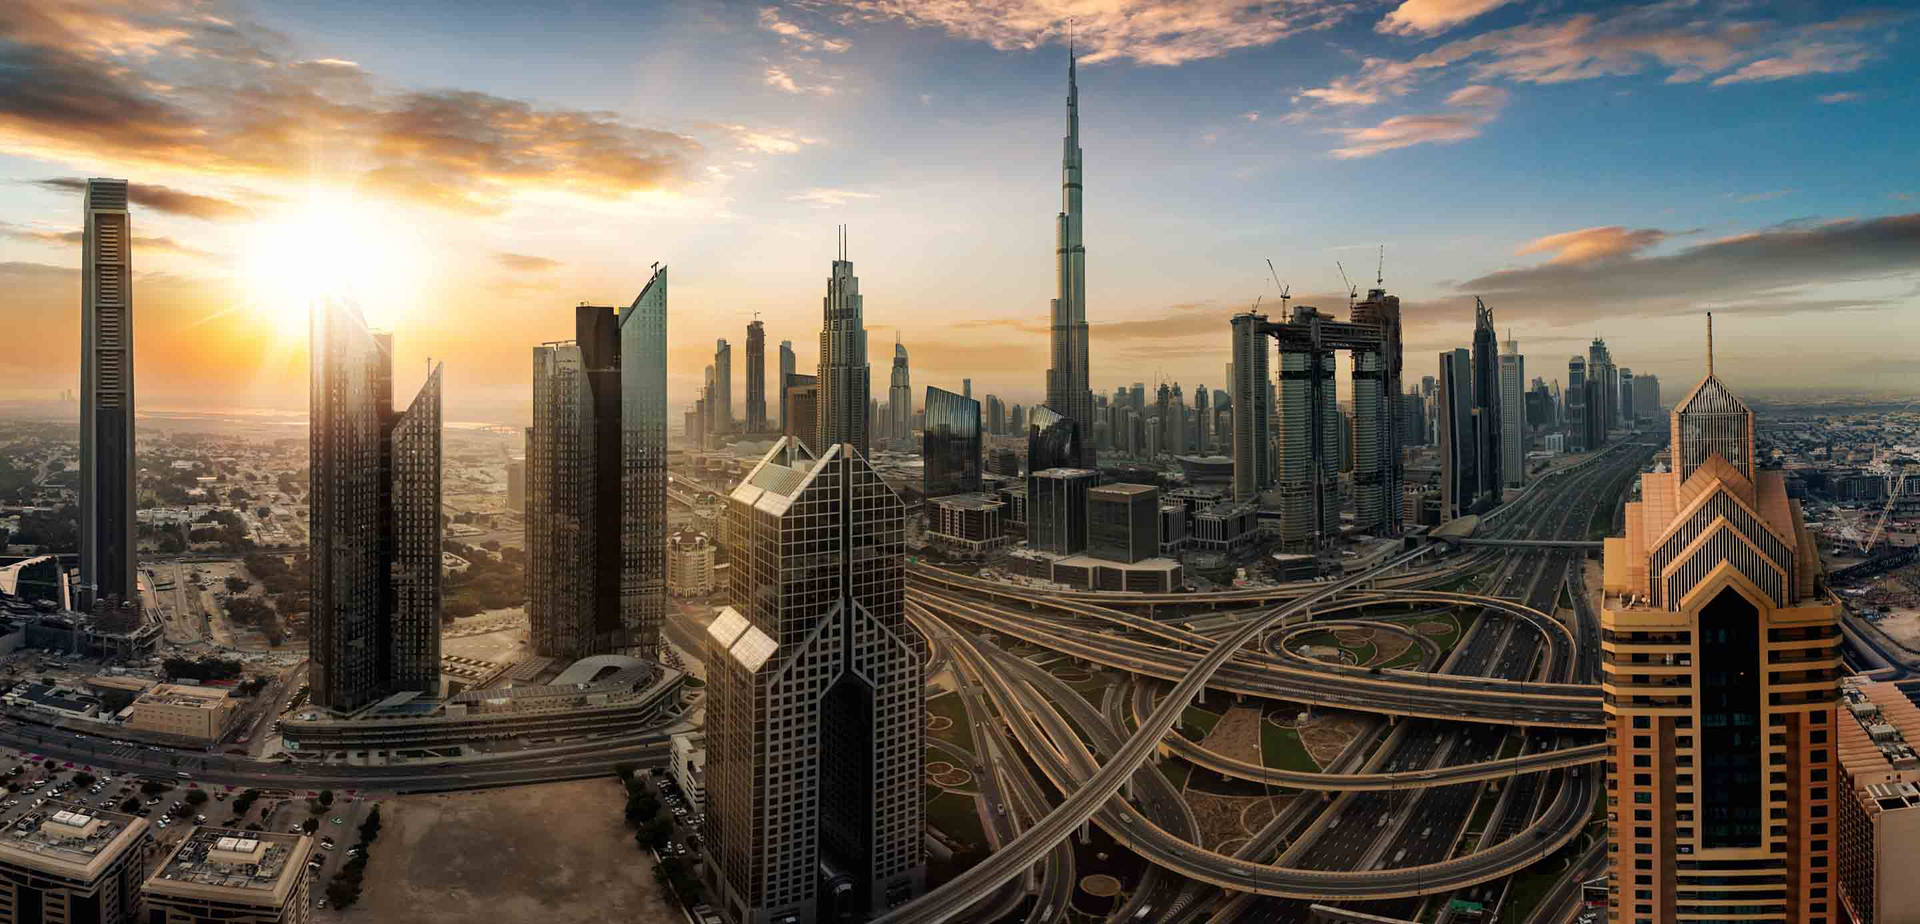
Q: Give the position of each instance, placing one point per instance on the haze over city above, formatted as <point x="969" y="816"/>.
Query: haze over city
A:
<point x="470" y="171"/>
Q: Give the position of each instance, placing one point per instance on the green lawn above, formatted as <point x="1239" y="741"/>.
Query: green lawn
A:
<point x="949" y="705"/>
<point x="1176" y="771"/>
<point x="957" y="815"/>
<point x="1280" y="748"/>
<point x="1408" y="658"/>
<point x="1200" y="719"/>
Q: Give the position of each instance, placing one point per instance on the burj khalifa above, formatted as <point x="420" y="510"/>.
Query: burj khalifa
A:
<point x="1068" y="393"/>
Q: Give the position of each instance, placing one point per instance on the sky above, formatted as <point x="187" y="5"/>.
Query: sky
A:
<point x="467" y="172"/>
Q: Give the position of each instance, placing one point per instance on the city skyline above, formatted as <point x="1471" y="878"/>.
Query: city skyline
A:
<point x="1584" y="244"/>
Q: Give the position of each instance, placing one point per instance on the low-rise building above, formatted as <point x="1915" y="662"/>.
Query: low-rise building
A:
<point x="68" y="863"/>
<point x="687" y="764"/>
<point x="690" y="565"/>
<point x="228" y="876"/>
<point x="200" y="713"/>
<point x="1123" y="522"/>
<point x="971" y="524"/>
<point x="1224" y="527"/>
<point x="1879" y="801"/>
<point x="1173" y="529"/>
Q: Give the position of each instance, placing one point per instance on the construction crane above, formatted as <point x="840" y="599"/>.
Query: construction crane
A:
<point x="1286" y="291"/>
<point x="1353" y="291"/>
<point x="1896" y="483"/>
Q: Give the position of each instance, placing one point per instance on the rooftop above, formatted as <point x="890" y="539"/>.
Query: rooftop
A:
<point x="969" y="501"/>
<point x="69" y="840"/>
<point x="175" y="695"/>
<point x="1126" y="490"/>
<point x="233" y="865"/>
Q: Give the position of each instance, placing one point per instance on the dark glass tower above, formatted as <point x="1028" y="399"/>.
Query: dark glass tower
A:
<point x="845" y="381"/>
<point x="1486" y="407"/>
<point x="107" y="466"/>
<point x="950" y="444"/>
<point x="756" y="378"/>
<point x="375" y="496"/>
<point x="643" y="461"/>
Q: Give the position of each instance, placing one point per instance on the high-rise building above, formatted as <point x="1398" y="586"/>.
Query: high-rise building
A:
<point x="950" y="456"/>
<point x="1203" y="421"/>
<point x="1878" y="802"/>
<point x="1459" y="458"/>
<point x="803" y="407"/>
<point x="1628" y="414"/>
<point x="787" y="367"/>
<point x="375" y="517"/>
<point x="814" y="698"/>
<point x="1378" y="469"/>
<point x="573" y="523"/>
<point x="643" y="487"/>
<point x="1646" y="395"/>
<point x="845" y="381"/>
<point x="1252" y="451"/>
<point x="1068" y="391"/>
<point x="107" y="467"/>
<point x="1306" y="453"/>
<point x="899" y="427"/>
<point x="1123" y="522"/>
<point x="1487" y="426"/>
<point x="690" y="561"/>
<point x="517" y="485"/>
<point x="1057" y="509"/>
<point x="70" y="863"/>
<point x="996" y="415"/>
<point x="722" y="409"/>
<point x="966" y="388"/>
<point x="231" y="876"/>
<point x="1576" y="409"/>
<point x="1721" y="660"/>
<point x="756" y="377"/>
<point x="1053" y="440"/>
<point x="1604" y="384"/>
<point x="1513" y="418"/>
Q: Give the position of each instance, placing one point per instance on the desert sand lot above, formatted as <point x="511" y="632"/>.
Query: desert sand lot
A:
<point x="552" y="852"/>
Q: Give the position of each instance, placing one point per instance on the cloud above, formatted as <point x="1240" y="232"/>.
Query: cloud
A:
<point x="1164" y="33"/>
<point x="798" y="36"/>
<point x="20" y="270"/>
<point x="1672" y="36"/>
<point x="1589" y="245"/>
<point x="822" y="197"/>
<point x="779" y="79"/>
<point x="162" y="199"/>
<point x="768" y="141"/>
<point x="1762" y="271"/>
<point x="525" y="263"/>
<point x="1250" y="116"/>
<point x="1842" y="97"/>
<point x="1429" y="17"/>
<point x="1480" y="105"/>
<point x="170" y="86"/>
<point x="141" y="243"/>
<point x="1767" y="196"/>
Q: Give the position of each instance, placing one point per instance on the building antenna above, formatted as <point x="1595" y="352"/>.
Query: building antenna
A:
<point x="1709" y="343"/>
<point x="1380" y="272"/>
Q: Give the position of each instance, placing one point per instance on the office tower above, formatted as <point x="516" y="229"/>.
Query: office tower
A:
<point x="1057" y="509"/>
<point x="1053" y="441"/>
<point x="1252" y="449"/>
<point x="1138" y="393"/>
<point x="1068" y="393"/>
<point x="574" y="509"/>
<point x="1576" y="410"/>
<point x="1459" y="460"/>
<point x="787" y="368"/>
<point x="232" y="876"/>
<point x="1378" y="470"/>
<point x="1627" y="410"/>
<point x="67" y="863"/>
<point x="803" y="407"/>
<point x="996" y="415"/>
<point x="517" y="485"/>
<point x="1513" y="423"/>
<point x="375" y="520"/>
<point x="1153" y="436"/>
<point x="1486" y="406"/>
<point x="1202" y="421"/>
<point x="643" y="488"/>
<point x="1604" y="381"/>
<point x="1163" y="399"/>
<point x="1540" y="406"/>
<point x="814" y="698"/>
<point x="900" y="398"/>
<point x="1123" y="522"/>
<point x="1017" y="420"/>
<point x="1306" y="454"/>
<point x="845" y="381"/>
<point x="1646" y="395"/>
<point x="722" y="408"/>
<point x="966" y="388"/>
<point x="1878" y="801"/>
<point x="756" y="377"/>
<point x="107" y="467"/>
<point x="950" y="456"/>
<point x="1721" y="659"/>
<point x="1176" y="421"/>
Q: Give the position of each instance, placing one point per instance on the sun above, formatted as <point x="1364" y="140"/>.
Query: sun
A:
<point x="332" y="247"/>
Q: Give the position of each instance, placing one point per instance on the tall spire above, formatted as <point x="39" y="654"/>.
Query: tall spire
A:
<point x="1068" y="392"/>
<point x="1709" y="343"/>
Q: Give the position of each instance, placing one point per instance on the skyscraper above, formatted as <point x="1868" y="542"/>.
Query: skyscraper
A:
<point x="845" y="380"/>
<point x="1378" y="435"/>
<point x="900" y="398"/>
<point x="1513" y="418"/>
<point x="814" y="697"/>
<point x="1628" y="414"/>
<point x="950" y="456"/>
<point x="1252" y="451"/>
<point x="803" y="407"/>
<point x="1203" y="421"/>
<point x="1646" y="395"/>
<point x="1068" y="392"/>
<point x="1576" y="410"/>
<point x="1721" y="669"/>
<point x="1603" y="398"/>
<point x="1486" y="406"/>
<point x="722" y="409"/>
<point x="1053" y="441"/>
<point x="375" y="516"/>
<point x="1459" y="458"/>
<point x="643" y="482"/>
<point x="787" y="368"/>
<point x="756" y="377"/>
<point x="574" y="509"/>
<point x="1306" y="456"/>
<point x="107" y="468"/>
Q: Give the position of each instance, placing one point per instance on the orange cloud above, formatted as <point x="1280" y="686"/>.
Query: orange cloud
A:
<point x="1590" y="244"/>
<point x="1426" y="17"/>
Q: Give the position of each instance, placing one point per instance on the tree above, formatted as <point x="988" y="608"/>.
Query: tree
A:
<point x="370" y="828"/>
<point x="130" y="806"/>
<point x="83" y="778"/>
<point x="155" y="787"/>
<point x="326" y="797"/>
<point x="659" y="831"/>
<point x="197" y="797"/>
<point x="237" y="584"/>
<point x="341" y="893"/>
<point x="310" y="825"/>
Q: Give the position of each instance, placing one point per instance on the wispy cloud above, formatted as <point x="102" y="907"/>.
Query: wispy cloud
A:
<point x="1589" y="245"/>
<point x="75" y="238"/>
<point x="1767" y="196"/>
<point x="1475" y="106"/>
<point x="1799" y="61"/>
<point x="525" y="263"/>
<point x="822" y="197"/>
<point x="1847" y="96"/>
<point x="162" y="199"/>
<point x="1156" y="32"/>
<point x="1428" y="17"/>
<point x="768" y="140"/>
<point x="780" y="79"/>
<point x="797" y="36"/>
